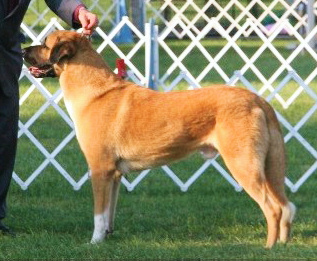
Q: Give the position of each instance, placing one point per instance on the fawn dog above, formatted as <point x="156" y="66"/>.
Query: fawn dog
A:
<point x="121" y="126"/>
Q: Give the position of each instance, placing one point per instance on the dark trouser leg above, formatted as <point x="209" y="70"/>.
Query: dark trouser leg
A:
<point x="9" y="116"/>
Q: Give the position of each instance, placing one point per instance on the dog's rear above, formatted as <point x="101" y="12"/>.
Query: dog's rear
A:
<point x="251" y="144"/>
<point x="267" y="188"/>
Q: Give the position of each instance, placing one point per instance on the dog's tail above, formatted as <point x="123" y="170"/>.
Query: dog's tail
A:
<point x="275" y="174"/>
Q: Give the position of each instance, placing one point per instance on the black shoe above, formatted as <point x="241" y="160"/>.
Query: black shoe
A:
<point x="6" y="231"/>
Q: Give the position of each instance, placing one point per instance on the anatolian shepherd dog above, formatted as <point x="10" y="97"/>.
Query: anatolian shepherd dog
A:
<point x="121" y="127"/>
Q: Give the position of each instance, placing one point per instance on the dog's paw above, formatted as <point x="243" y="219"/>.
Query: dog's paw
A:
<point x="97" y="238"/>
<point x="96" y="241"/>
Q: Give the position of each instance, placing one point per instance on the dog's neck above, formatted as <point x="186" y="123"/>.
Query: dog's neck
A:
<point x="94" y="74"/>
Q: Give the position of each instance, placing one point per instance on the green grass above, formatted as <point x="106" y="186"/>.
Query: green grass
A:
<point x="157" y="220"/>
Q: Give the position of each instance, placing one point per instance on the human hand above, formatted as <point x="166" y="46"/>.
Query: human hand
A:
<point x="88" y="20"/>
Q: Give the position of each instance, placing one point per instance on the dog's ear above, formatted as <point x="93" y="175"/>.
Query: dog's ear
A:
<point x="61" y="50"/>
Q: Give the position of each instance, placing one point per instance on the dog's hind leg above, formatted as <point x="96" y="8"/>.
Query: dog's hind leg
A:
<point x="102" y="182"/>
<point x="113" y="201"/>
<point x="245" y="157"/>
<point x="274" y="170"/>
<point x="252" y="180"/>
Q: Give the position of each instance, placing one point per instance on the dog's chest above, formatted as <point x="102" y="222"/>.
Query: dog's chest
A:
<point x="70" y="110"/>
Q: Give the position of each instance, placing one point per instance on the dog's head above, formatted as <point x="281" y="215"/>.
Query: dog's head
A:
<point x="46" y="59"/>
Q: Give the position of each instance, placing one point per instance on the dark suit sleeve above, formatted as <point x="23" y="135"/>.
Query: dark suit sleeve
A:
<point x="64" y="9"/>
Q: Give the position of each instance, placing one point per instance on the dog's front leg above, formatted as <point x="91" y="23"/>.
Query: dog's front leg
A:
<point x="113" y="201"/>
<point x="102" y="182"/>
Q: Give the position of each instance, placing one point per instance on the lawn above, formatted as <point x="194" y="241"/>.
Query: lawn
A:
<point x="157" y="220"/>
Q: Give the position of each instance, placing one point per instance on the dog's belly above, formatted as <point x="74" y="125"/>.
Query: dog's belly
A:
<point x="126" y="165"/>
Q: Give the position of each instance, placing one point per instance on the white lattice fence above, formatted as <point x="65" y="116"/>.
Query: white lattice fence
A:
<point x="231" y="13"/>
<point x="283" y="86"/>
<point x="202" y="12"/>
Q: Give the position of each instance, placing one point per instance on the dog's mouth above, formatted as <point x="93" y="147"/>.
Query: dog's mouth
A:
<point x="46" y="70"/>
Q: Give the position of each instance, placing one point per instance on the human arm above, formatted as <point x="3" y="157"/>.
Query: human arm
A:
<point x="74" y="13"/>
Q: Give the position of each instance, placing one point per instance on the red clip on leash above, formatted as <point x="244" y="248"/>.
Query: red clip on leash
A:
<point x="122" y="69"/>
